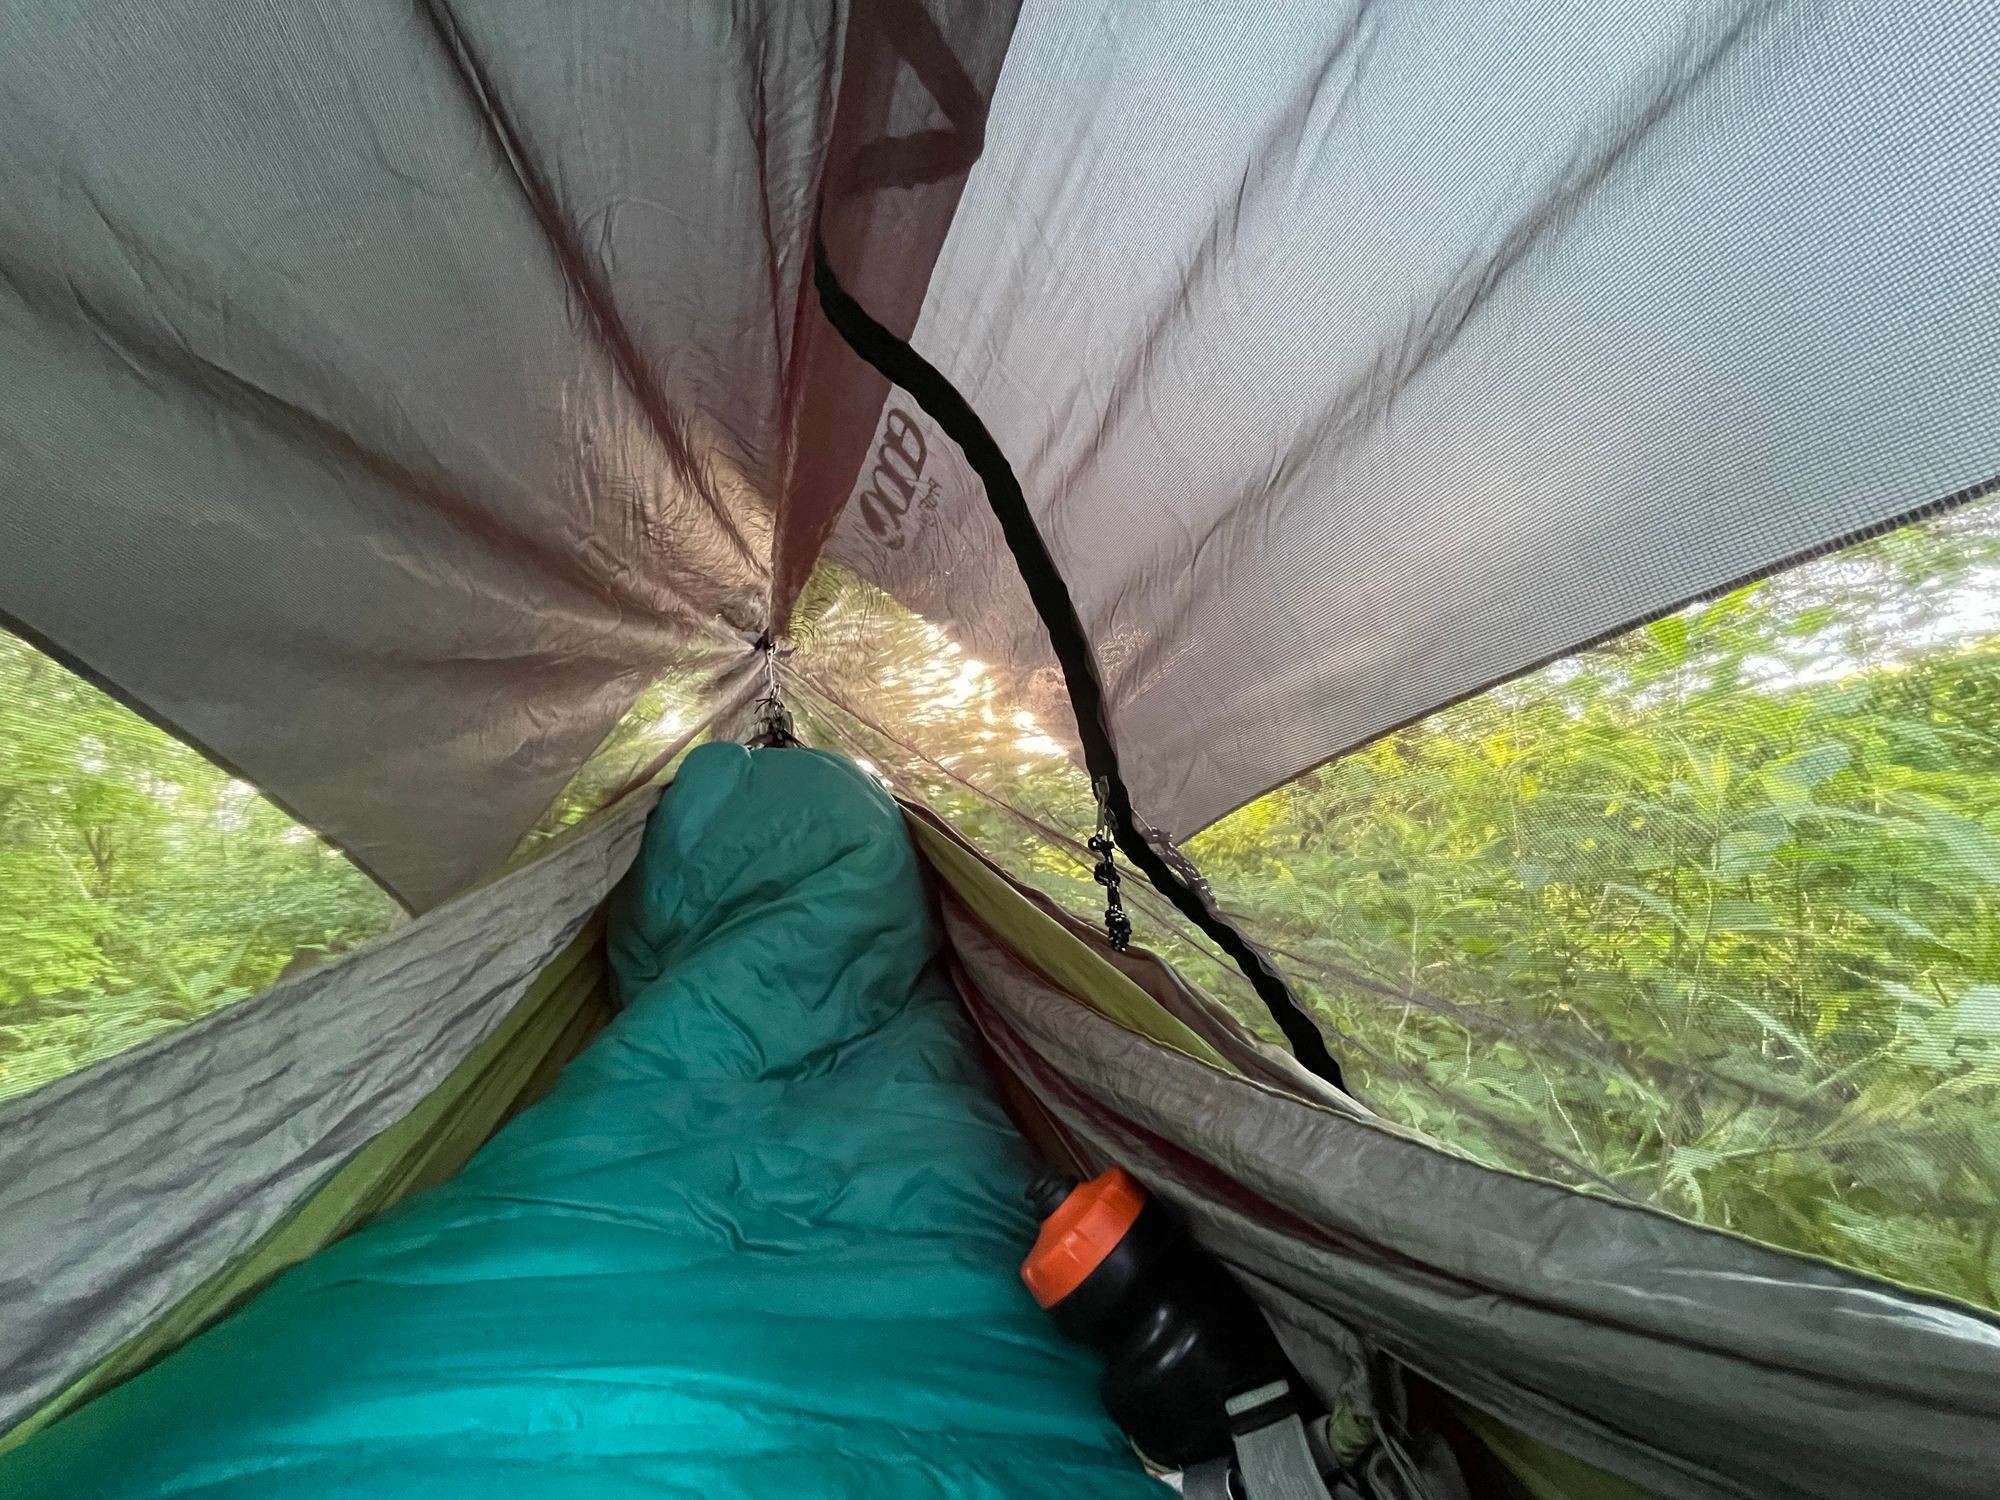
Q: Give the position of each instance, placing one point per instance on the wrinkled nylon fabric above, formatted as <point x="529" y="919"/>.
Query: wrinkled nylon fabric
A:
<point x="326" y="452"/>
<point x="1355" y="356"/>
<point x="128" y="1185"/>
<point x="761" y="1239"/>
<point x="1688" y="1361"/>
<point x="393" y="391"/>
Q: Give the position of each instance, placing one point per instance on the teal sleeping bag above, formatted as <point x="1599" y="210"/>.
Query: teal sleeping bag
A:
<point x="760" y="1240"/>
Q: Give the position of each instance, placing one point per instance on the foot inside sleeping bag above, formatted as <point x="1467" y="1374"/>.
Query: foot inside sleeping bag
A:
<point x="760" y="1240"/>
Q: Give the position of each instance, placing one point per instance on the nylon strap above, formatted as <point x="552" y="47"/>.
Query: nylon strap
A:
<point x="1275" y="1460"/>
<point x="897" y="362"/>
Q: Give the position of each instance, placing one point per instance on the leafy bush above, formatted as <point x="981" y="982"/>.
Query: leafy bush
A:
<point x="140" y="887"/>
<point x="1703" y="918"/>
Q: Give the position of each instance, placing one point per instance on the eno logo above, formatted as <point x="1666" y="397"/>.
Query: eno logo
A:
<point x="897" y="481"/>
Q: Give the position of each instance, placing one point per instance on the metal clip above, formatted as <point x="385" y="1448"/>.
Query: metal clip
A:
<point x="773" y="727"/>
<point x="1117" y="926"/>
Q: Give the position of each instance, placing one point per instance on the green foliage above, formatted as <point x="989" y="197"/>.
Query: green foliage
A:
<point x="140" y="887"/>
<point x="1703" y="918"/>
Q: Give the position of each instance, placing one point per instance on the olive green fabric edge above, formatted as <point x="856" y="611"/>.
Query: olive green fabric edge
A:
<point x="1545" y="1473"/>
<point x="559" y="1014"/>
<point x="1067" y="962"/>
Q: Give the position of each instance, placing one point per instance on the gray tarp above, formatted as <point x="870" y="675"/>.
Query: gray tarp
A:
<point x="125" y="1186"/>
<point x="1687" y="1360"/>
<point x="1355" y="355"/>
<point x="389" y="392"/>
<point x="393" y="391"/>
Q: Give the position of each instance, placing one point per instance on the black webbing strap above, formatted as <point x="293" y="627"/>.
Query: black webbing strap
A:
<point x="897" y="362"/>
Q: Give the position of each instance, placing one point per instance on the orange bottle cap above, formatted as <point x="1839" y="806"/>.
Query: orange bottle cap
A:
<point x="1085" y="1228"/>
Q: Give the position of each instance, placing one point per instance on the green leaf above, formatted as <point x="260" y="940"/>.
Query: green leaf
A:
<point x="1976" y="1017"/>
<point x="1871" y="1230"/>
<point x="1793" y="778"/>
<point x="1909" y="996"/>
<point x="1847" y="815"/>
<point x="1744" y="852"/>
<point x="1651" y="900"/>
<point x="1744" y="1067"/>
<point x="1986" y="1141"/>
<point x="1840" y="702"/>
<point x="1904" y="1167"/>
<point x="1903" y="922"/>
<point x="1532" y="876"/>
<point x="1776" y="1027"/>
<point x="1929" y="1041"/>
<point x="1743" y="916"/>
<point x="1773" y="822"/>
<point x="1683" y="1168"/>
<point x="1967" y="845"/>
<point x="1917" y="746"/>
<point x="1670" y="638"/>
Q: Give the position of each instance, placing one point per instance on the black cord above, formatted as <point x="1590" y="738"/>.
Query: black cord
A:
<point x="897" y="362"/>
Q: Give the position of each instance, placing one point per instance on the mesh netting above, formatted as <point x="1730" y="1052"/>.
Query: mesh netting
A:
<point x="1353" y="357"/>
<point x="1701" y="918"/>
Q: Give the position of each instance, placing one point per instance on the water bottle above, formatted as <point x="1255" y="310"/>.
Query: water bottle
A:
<point x="1179" y="1337"/>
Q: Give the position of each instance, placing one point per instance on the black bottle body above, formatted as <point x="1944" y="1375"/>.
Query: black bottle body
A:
<point x="1179" y="1338"/>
